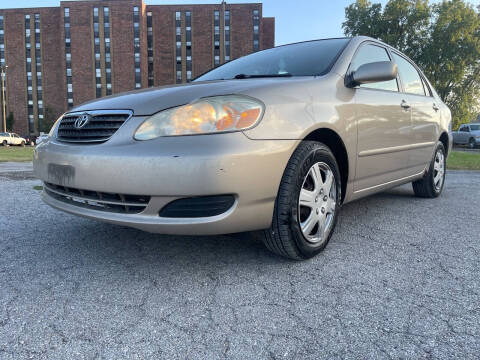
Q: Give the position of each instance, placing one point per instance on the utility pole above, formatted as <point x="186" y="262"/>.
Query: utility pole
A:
<point x="4" y="105"/>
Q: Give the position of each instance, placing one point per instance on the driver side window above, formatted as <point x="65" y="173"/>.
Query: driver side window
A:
<point x="368" y="54"/>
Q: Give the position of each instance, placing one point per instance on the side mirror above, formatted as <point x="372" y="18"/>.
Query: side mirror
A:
<point x="372" y="73"/>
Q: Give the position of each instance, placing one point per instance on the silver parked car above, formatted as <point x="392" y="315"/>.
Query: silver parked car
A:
<point x="40" y="138"/>
<point x="467" y="134"/>
<point x="275" y="141"/>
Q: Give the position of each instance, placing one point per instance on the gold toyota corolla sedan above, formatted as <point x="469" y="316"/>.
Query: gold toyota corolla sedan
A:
<point x="273" y="142"/>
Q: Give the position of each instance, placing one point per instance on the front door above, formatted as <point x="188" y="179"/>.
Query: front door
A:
<point x="383" y="123"/>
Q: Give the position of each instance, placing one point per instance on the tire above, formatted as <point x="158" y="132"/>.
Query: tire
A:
<point x="4" y="143"/>
<point x="285" y="236"/>
<point x="471" y="143"/>
<point x="22" y="144"/>
<point x="431" y="185"/>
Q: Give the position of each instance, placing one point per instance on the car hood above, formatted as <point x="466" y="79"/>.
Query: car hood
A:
<point x="149" y="101"/>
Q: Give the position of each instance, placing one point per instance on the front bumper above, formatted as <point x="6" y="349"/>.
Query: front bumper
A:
<point x="170" y="168"/>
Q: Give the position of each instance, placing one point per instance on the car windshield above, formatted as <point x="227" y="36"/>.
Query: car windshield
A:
<point x="302" y="59"/>
<point x="475" y="127"/>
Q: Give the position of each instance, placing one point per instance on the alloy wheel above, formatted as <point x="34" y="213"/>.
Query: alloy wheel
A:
<point x="317" y="203"/>
<point x="438" y="169"/>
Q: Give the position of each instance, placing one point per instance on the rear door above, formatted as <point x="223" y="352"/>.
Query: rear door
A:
<point x="425" y="115"/>
<point x="382" y="123"/>
<point x="457" y="136"/>
<point x="464" y="134"/>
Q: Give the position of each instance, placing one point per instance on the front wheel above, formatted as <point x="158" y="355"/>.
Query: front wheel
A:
<point x="22" y="144"/>
<point x="307" y="204"/>
<point x="431" y="185"/>
<point x="471" y="143"/>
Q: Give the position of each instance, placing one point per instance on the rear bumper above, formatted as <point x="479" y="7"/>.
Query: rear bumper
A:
<point x="167" y="169"/>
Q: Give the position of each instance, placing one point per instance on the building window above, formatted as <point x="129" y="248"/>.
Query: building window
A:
<point x="150" y="47"/>
<point x="178" y="48"/>
<point x="28" y="55"/>
<point x="2" y="42"/>
<point x="226" y="35"/>
<point x="96" y="42"/>
<point x="106" y="38"/>
<point x="68" y="57"/>
<point x="256" y="24"/>
<point x="136" y="46"/>
<point x="188" y="45"/>
<point x="2" y="47"/>
<point x="33" y="70"/>
<point x="216" y="37"/>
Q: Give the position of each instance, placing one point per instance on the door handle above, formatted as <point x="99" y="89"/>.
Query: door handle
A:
<point x="435" y="107"/>
<point x="405" y="105"/>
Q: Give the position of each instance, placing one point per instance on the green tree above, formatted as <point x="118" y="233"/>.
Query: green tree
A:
<point x="443" y="39"/>
<point x="49" y="118"/>
<point x="10" y="120"/>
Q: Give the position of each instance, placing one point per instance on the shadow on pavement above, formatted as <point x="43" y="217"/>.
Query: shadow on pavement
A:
<point x="100" y="242"/>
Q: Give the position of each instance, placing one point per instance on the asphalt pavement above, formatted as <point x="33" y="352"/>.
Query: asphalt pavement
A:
<point x="400" y="279"/>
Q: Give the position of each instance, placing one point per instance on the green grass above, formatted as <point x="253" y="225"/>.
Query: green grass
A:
<point x="462" y="160"/>
<point x="16" y="153"/>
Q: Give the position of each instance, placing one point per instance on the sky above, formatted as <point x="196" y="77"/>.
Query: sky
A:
<point x="296" y="20"/>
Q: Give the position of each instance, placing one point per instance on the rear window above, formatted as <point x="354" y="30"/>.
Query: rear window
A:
<point x="303" y="59"/>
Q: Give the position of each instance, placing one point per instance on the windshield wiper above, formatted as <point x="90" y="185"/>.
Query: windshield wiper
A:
<point x="245" y="76"/>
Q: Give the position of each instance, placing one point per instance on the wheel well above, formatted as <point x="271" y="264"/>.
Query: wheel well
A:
<point x="444" y="140"/>
<point x="335" y="143"/>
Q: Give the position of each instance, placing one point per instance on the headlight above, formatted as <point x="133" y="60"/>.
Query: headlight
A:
<point x="54" y="127"/>
<point x="205" y="116"/>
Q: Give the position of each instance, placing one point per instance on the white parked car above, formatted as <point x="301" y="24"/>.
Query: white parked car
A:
<point x="11" y="139"/>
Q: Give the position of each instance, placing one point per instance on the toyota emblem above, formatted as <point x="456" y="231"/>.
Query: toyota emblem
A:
<point x="81" y="121"/>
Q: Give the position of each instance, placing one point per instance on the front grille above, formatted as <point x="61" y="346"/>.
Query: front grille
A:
<point x="109" y="202"/>
<point x="101" y="126"/>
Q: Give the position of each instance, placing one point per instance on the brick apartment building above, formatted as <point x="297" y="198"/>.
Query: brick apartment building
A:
<point x="58" y="57"/>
